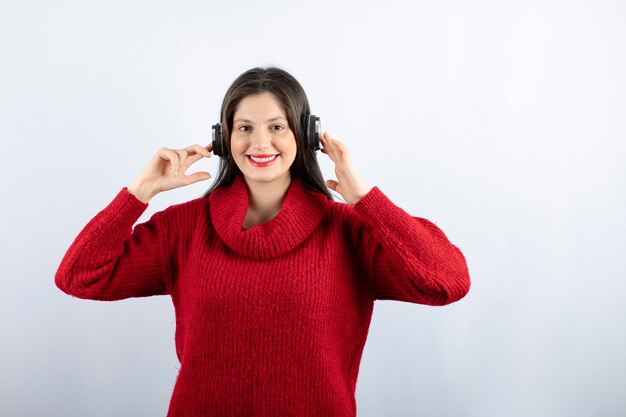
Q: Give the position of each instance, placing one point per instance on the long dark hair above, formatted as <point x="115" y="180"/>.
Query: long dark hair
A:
<point x="294" y="103"/>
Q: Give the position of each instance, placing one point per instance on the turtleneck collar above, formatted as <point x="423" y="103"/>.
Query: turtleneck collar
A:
<point x="300" y="214"/>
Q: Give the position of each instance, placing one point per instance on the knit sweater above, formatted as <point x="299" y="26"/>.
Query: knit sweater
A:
<point x="272" y="320"/>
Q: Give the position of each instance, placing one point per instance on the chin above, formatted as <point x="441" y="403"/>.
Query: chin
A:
<point x="265" y="177"/>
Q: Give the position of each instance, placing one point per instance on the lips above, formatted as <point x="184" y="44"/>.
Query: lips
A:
<point x="261" y="160"/>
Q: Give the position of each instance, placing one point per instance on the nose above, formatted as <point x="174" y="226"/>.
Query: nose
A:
<point x="261" y="140"/>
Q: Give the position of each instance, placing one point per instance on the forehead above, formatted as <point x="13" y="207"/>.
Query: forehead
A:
<point x="262" y="106"/>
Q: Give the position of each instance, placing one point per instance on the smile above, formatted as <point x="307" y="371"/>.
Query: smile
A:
<point x="262" y="160"/>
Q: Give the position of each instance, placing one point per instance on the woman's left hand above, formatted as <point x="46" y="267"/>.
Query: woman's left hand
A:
<point x="348" y="183"/>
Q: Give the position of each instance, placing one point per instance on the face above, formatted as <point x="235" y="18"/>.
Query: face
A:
<point x="262" y="143"/>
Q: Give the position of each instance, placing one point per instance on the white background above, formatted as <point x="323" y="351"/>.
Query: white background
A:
<point x="500" y="121"/>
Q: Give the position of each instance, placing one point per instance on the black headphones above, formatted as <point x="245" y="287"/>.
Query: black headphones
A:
<point x="311" y="129"/>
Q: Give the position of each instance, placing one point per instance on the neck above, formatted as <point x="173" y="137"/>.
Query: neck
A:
<point x="265" y="199"/>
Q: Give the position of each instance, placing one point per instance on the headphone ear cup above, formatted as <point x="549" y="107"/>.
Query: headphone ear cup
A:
<point x="311" y="128"/>
<point x="218" y="140"/>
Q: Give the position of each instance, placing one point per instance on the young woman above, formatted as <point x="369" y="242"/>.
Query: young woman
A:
<point x="272" y="281"/>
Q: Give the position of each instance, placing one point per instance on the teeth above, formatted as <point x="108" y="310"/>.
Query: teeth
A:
<point x="261" y="160"/>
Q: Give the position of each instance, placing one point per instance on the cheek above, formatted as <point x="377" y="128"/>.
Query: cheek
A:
<point x="289" y="145"/>
<point x="237" y="145"/>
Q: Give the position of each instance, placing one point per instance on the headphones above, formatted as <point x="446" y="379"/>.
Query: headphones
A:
<point x="311" y="128"/>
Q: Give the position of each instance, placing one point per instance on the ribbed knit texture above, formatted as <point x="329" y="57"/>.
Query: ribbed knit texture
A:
<point x="270" y="321"/>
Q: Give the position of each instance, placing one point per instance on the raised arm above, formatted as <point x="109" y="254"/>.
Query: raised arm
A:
<point x="409" y="258"/>
<point x="109" y="260"/>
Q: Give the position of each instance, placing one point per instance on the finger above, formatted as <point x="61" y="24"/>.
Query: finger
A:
<point x="325" y="139"/>
<point x="328" y="148"/>
<point x="338" y="144"/>
<point x="195" y="153"/>
<point x="334" y="145"/>
<point x="166" y="153"/>
<point x="332" y="184"/>
<point x="197" y="149"/>
<point x="323" y="143"/>
<point x="192" y="159"/>
<point x="195" y="177"/>
<point x="182" y="158"/>
<point x="341" y="149"/>
<point x="341" y="153"/>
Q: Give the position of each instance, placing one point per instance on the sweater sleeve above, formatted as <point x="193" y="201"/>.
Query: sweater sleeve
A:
<point x="109" y="260"/>
<point x="409" y="258"/>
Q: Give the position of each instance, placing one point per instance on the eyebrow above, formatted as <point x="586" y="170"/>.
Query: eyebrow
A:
<point x="273" y="119"/>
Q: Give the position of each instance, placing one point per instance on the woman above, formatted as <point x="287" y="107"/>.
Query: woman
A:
<point x="272" y="281"/>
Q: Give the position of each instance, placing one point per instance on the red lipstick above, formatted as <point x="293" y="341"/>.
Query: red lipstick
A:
<point x="261" y="164"/>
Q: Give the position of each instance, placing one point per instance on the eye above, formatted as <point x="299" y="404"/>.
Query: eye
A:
<point x="277" y="127"/>
<point x="244" y="128"/>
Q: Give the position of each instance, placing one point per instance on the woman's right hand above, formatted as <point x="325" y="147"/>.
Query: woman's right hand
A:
<point x="166" y="171"/>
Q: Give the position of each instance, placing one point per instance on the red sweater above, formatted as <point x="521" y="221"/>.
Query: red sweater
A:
<point x="270" y="321"/>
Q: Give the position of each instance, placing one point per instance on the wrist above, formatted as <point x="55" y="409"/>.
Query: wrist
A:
<point x="141" y="190"/>
<point x="362" y="193"/>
